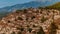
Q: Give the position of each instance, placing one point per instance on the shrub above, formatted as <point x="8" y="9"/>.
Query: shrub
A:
<point x="9" y="21"/>
<point x="3" y="33"/>
<point x="19" y="32"/>
<point x="25" y="10"/>
<point x="26" y="19"/>
<point x="13" y="33"/>
<point x="53" y="28"/>
<point x="41" y="31"/>
<point x="43" y="19"/>
<point x="41" y="12"/>
<point x="32" y="17"/>
<point x="22" y="29"/>
<point x="19" y="18"/>
<point x="18" y="11"/>
<point x="34" y="26"/>
<point x="29" y="29"/>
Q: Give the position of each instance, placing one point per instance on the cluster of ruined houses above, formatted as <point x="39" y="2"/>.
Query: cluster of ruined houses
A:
<point x="31" y="21"/>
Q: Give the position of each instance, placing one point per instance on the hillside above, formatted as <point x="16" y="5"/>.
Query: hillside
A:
<point x="56" y="5"/>
<point x="31" y="21"/>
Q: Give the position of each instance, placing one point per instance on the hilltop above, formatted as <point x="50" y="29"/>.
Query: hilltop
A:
<point x="54" y="6"/>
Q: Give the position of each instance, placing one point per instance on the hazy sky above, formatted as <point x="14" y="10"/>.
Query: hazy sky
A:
<point x="4" y="3"/>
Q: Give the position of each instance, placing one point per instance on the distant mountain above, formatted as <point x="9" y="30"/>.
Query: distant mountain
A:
<point x="56" y="6"/>
<point x="33" y="4"/>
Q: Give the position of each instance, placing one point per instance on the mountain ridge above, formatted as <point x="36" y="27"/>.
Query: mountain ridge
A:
<point x="33" y="4"/>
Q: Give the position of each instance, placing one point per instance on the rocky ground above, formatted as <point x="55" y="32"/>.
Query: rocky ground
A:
<point x="31" y="21"/>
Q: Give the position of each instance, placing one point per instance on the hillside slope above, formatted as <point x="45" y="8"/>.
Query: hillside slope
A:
<point x="56" y="5"/>
<point x="30" y="21"/>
